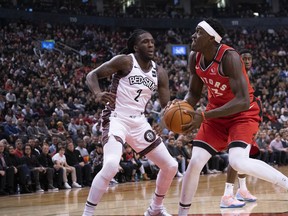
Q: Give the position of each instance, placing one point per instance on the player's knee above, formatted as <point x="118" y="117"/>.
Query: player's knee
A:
<point x="196" y="164"/>
<point x="110" y="169"/>
<point x="235" y="164"/>
<point x="172" y="167"/>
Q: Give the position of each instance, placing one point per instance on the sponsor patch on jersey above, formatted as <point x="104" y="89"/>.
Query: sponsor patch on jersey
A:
<point x="149" y="136"/>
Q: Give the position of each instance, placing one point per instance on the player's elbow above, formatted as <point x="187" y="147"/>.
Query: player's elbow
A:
<point x="89" y="76"/>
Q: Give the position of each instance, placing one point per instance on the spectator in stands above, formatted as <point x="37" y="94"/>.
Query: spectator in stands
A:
<point x="280" y="152"/>
<point x="44" y="133"/>
<point x="60" y="160"/>
<point x="52" y="124"/>
<point x="19" y="148"/>
<point x="59" y="110"/>
<point x="73" y="129"/>
<point x="10" y="97"/>
<point x="23" y="176"/>
<point x="125" y="171"/>
<point x="182" y="150"/>
<point x="2" y="102"/>
<point x="22" y="130"/>
<point x="7" y="173"/>
<point x="83" y="128"/>
<point x="79" y="105"/>
<point x="45" y="160"/>
<point x="82" y="149"/>
<point x="53" y="149"/>
<point x="11" y="130"/>
<point x="266" y="153"/>
<point x="96" y="129"/>
<point x="284" y="117"/>
<point x="2" y="177"/>
<point x="150" y="168"/>
<point x="96" y="158"/>
<point x="34" y="166"/>
<point x="83" y="168"/>
<point x="141" y="172"/>
<point x="61" y="131"/>
<point x="28" y="113"/>
<point x="10" y="115"/>
<point x="32" y="130"/>
<point x="89" y="143"/>
<point x="36" y="149"/>
<point x="74" y="110"/>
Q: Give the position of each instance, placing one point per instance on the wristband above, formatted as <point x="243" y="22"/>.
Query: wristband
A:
<point x="203" y="116"/>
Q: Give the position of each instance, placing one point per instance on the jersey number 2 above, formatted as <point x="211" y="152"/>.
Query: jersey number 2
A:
<point x="139" y="92"/>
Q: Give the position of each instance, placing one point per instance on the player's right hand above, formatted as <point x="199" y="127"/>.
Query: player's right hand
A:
<point x="169" y="104"/>
<point x="194" y="124"/>
<point x="105" y="97"/>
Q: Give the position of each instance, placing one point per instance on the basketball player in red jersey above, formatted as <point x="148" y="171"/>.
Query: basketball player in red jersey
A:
<point x="243" y="194"/>
<point x="135" y="77"/>
<point x="231" y="118"/>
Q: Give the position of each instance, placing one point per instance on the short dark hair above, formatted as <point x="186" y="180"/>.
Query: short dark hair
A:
<point x="245" y="51"/>
<point x="217" y="26"/>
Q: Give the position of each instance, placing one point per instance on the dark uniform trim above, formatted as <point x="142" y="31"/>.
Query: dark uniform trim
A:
<point x="159" y="195"/>
<point x="237" y="144"/>
<point x="205" y="146"/>
<point x="185" y="205"/>
<point x="91" y="204"/>
<point x="150" y="147"/>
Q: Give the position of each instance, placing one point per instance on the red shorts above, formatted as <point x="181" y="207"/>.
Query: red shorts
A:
<point x="240" y="129"/>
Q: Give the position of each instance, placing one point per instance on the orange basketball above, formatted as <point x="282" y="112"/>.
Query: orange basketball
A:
<point x="174" y="117"/>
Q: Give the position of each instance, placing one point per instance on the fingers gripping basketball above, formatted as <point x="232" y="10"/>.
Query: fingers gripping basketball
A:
<point x="174" y="116"/>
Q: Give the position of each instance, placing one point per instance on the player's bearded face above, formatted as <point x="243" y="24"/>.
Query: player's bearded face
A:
<point x="146" y="47"/>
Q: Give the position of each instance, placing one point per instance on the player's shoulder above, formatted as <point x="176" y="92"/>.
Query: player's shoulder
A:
<point x="122" y="58"/>
<point x="123" y="62"/>
<point x="231" y="54"/>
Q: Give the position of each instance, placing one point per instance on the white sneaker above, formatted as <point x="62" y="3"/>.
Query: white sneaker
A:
<point x="178" y="174"/>
<point x="39" y="189"/>
<point x="157" y="212"/>
<point x="215" y="171"/>
<point x="76" y="185"/>
<point x="52" y="188"/>
<point x="113" y="181"/>
<point x="209" y="171"/>
<point x="67" y="186"/>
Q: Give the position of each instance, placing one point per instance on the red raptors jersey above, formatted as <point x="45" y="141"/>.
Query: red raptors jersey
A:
<point x="219" y="91"/>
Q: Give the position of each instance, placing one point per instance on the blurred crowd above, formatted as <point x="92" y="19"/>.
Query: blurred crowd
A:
<point x="50" y="135"/>
<point x="170" y="10"/>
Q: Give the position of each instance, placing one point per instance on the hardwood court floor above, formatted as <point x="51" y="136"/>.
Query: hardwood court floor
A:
<point x="134" y="198"/>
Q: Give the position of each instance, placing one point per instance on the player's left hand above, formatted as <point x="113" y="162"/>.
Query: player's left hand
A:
<point x="194" y="124"/>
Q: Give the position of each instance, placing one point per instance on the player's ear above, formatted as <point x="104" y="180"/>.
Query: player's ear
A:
<point x="135" y="48"/>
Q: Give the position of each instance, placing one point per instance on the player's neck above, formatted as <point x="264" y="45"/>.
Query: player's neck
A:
<point x="144" y="64"/>
<point x="209" y="54"/>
